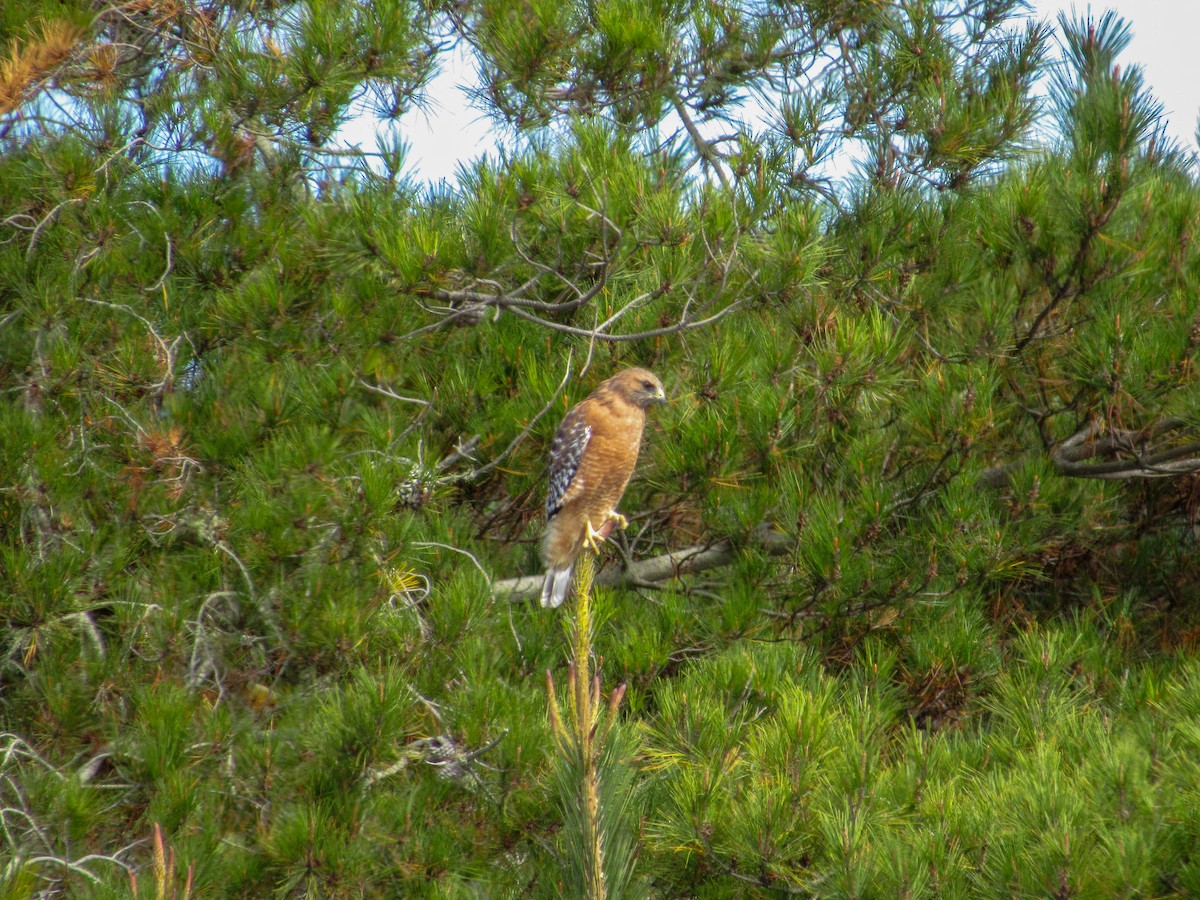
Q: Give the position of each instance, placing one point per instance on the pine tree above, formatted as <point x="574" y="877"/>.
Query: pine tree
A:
<point x="906" y="606"/>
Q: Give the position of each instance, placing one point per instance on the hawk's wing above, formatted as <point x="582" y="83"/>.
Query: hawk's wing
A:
<point x="566" y="451"/>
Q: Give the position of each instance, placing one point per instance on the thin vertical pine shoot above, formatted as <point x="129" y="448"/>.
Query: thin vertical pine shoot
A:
<point x="593" y="782"/>
<point x="165" y="886"/>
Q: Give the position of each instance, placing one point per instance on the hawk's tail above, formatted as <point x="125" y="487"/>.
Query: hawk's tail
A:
<point x="554" y="589"/>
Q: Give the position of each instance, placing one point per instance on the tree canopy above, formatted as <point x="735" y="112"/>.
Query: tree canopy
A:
<point x="907" y="604"/>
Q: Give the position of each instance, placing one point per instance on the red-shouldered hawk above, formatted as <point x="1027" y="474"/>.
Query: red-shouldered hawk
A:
<point x="591" y="460"/>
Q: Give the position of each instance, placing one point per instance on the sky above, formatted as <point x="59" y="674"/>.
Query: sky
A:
<point x="1164" y="43"/>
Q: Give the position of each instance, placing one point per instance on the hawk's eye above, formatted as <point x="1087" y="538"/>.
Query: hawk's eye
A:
<point x="648" y="385"/>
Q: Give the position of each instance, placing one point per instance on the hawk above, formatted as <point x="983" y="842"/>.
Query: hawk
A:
<point x="591" y="460"/>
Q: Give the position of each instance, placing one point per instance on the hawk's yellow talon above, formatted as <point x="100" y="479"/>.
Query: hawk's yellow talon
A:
<point x="619" y="520"/>
<point x="592" y="538"/>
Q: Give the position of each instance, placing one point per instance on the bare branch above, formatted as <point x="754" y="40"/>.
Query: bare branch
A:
<point x="389" y="393"/>
<point x="595" y="334"/>
<point x="1148" y="461"/>
<point x="471" y="556"/>
<point x="1143" y="459"/>
<point x="167" y="351"/>
<point x="705" y="149"/>
<point x="42" y="225"/>
<point x="462" y="450"/>
<point x="166" y="269"/>
<point x="224" y="548"/>
<point x="675" y="564"/>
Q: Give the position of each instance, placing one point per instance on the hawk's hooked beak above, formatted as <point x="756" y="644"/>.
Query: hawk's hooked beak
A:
<point x="659" y="396"/>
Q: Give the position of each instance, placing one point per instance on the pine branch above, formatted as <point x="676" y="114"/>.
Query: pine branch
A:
<point x="28" y="68"/>
<point x="589" y="775"/>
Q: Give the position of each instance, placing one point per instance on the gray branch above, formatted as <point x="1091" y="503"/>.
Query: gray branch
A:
<point x="675" y="564"/>
<point x="1141" y="457"/>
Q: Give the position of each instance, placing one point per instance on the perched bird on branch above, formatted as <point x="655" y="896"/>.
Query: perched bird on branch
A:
<point x="591" y="460"/>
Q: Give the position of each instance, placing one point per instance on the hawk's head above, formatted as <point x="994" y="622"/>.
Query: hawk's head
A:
<point x="640" y="387"/>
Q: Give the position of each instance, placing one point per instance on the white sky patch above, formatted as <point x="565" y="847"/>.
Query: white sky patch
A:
<point x="442" y="136"/>
<point x="451" y="132"/>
